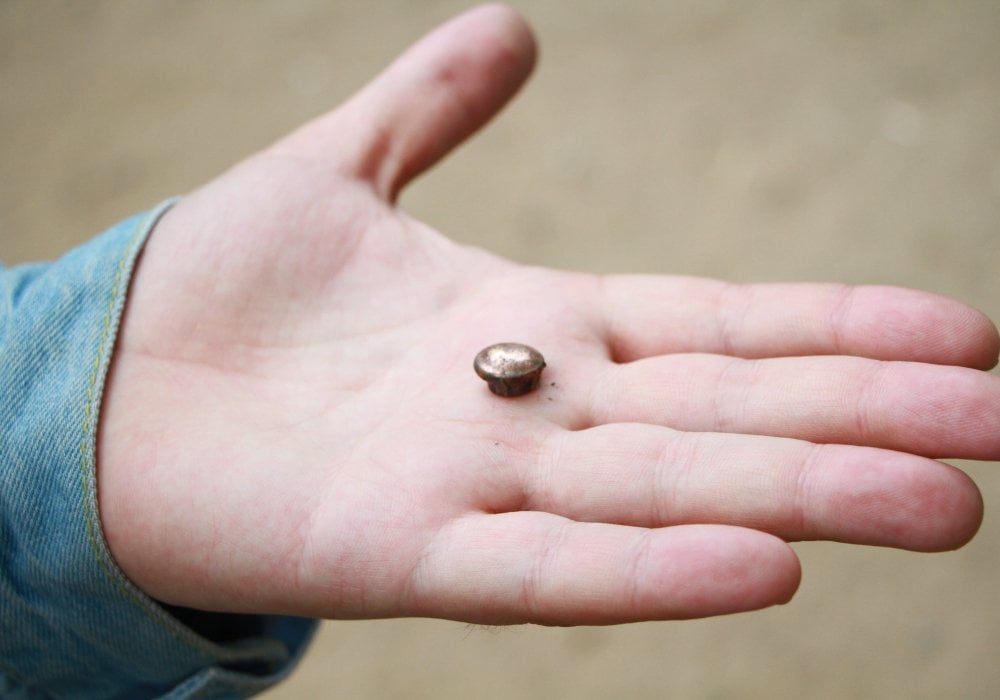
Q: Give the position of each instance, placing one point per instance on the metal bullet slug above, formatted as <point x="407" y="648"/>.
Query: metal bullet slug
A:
<point x="510" y="369"/>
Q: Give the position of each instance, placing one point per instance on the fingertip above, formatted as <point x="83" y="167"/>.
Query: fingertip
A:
<point x="496" y="31"/>
<point x="741" y="570"/>
<point x="515" y="32"/>
<point x="968" y="336"/>
<point x="779" y="569"/>
<point x="792" y="578"/>
<point x="892" y="499"/>
<point x="954" y="511"/>
<point x="989" y="344"/>
<point x="929" y="328"/>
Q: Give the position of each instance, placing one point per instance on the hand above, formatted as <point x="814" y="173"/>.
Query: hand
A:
<point x="292" y="423"/>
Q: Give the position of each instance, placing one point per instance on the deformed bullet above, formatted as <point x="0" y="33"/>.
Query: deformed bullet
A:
<point x="510" y="369"/>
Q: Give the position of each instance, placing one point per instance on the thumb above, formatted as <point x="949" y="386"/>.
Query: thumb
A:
<point x="433" y="97"/>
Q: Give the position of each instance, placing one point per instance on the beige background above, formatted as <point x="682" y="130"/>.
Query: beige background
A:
<point x="845" y="141"/>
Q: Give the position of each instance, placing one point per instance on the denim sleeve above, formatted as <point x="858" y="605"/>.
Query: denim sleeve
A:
<point x="71" y="624"/>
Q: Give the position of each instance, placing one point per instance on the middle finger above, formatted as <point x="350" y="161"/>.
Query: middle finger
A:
<point x="932" y="410"/>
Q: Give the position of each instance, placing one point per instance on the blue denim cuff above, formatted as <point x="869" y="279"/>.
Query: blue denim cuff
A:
<point x="71" y="623"/>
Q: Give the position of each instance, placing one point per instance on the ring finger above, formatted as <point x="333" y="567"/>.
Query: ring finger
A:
<point x="649" y="476"/>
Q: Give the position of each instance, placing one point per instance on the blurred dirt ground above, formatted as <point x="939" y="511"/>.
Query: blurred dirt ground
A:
<point x="843" y="141"/>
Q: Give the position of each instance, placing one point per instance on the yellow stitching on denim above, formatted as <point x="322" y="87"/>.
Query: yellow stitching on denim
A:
<point x="86" y="447"/>
<point x="85" y="442"/>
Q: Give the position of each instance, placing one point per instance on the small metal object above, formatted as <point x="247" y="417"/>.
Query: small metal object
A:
<point x="510" y="369"/>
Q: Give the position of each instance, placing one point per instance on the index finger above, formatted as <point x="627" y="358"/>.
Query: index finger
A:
<point x="646" y="316"/>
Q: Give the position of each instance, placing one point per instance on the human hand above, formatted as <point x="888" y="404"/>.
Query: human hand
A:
<point x="292" y="423"/>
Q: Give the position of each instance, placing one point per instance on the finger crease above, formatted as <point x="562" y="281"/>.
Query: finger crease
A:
<point x="724" y="420"/>
<point x="839" y="313"/>
<point x="538" y="494"/>
<point x="800" y="506"/>
<point x="865" y="406"/>
<point x="638" y="566"/>
<point x="536" y="576"/>
<point x="732" y="304"/>
<point x="673" y="468"/>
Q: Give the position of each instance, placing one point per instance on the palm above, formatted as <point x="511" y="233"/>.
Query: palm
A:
<point x="294" y="377"/>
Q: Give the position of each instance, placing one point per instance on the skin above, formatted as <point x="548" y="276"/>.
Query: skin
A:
<point x="292" y="423"/>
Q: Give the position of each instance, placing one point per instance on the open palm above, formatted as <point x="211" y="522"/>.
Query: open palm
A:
<point x="292" y="423"/>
